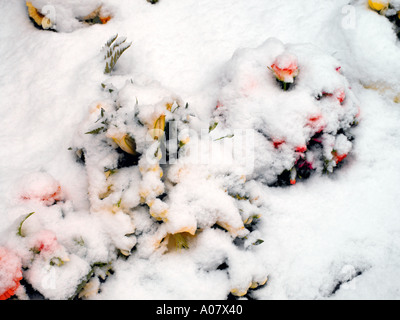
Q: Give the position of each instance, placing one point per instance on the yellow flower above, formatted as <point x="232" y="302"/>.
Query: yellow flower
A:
<point x="39" y="19"/>
<point x="235" y="231"/>
<point x="257" y="284"/>
<point x="34" y="14"/>
<point x="96" y="15"/>
<point x="176" y="241"/>
<point x="46" y="23"/>
<point x="240" y="292"/>
<point x="158" y="128"/>
<point x="378" y="5"/>
<point x="125" y="142"/>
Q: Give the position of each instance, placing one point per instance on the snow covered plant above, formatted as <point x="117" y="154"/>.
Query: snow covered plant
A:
<point x="45" y="253"/>
<point x="134" y="147"/>
<point x="390" y="9"/>
<point x="138" y="148"/>
<point x="299" y="129"/>
<point x="66" y="16"/>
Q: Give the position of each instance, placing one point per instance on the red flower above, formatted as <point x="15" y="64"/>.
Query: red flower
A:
<point x="317" y="123"/>
<point x="339" y="94"/>
<point x="308" y="165"/>
<point x="301" y="149"/>
<point x="285" y="67"/>
<point x="278" y="142"/>
<point x="338" y="157"/>
<point x="315" y="118"/>
<point x="10" y="273"/>
<point x="293" y="176"/>
<point x="104" y="20"/>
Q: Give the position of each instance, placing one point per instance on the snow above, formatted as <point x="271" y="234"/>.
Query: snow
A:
<point x="332" y="236"/>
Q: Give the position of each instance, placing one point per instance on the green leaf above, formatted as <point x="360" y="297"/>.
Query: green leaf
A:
<point x="107" y="69"/>
<point x="119" y="203"/>
<point x="212" y="127"/>
<point x="228" y="136"/>
<point x="79" y="241"/>
<point x="119" y="46"/>
<point x="95" y="131"/>
<point x="111" y="40"/>
<point x="107" y="266"/>
<point x="22" y="222"/>
<point x="177" y="107"/>
<point x="258" y="242"/>
<point x="110" y="171"/>
<point x="56" y="261"/>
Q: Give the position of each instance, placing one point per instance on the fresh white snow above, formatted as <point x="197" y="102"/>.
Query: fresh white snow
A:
<point x="332" y="236"/>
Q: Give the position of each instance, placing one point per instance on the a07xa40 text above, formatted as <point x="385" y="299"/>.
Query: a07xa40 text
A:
<point x="211" y="309"/>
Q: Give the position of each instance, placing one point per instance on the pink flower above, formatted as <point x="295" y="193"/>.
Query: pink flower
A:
<point x="46" y="242"/>
<point x="358" y="115"/>
<point x="317" y="123"/>
<point x="10" y="273"/>
<point x="340" y="95"/>
<point x="285" y="67"/>
<point x="42" y="187"/>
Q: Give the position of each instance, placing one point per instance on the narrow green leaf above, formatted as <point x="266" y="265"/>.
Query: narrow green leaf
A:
<point x="111" y="40"/>
<point x="228" y="136"/>
<point x="95" y="131"/>
<point x="22" y="222"/>
<point x="119" y="203"/>
<point x="107" y="69"/>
